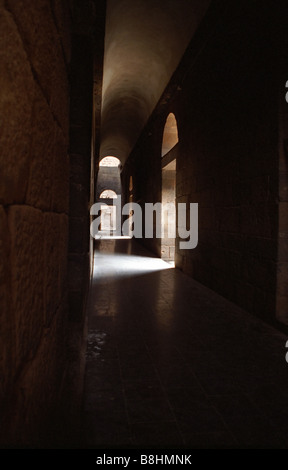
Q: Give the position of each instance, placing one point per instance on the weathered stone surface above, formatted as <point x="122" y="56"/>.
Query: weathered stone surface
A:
<point x="45" y="53"/>
<point x="39" y="34"/>
<point x="38" y="387"/>
<point x="34" y="173"/>
<point x="60" y="174"/>
<point x="55" y="253"/>
<point x="27" y="267"/>
<point x="16" y="98"/>
<point x="39" y="192"/>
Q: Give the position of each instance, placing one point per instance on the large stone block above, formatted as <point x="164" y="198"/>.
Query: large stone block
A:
<point x="39" y="192"/>
<point x="39" y="34"/>
<point x="55" y="252"/>
<point x="56" y="233"/>
<point x="51" y="253"/>
<point x="39" y="385"/>
<point x="27" y="275"/>
<point x="16" y="98"/>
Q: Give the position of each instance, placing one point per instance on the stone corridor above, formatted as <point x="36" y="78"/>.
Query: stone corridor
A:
<point x="210" y="376"/>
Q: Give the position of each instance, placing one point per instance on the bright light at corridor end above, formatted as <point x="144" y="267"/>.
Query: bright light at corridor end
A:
<point x="116" y="265"/>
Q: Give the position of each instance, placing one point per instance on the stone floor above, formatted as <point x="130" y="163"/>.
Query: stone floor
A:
<point x="171" y="364"/>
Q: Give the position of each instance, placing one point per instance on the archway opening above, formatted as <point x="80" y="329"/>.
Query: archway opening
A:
<point x="108" y="194"/>
<point x="108" y="220"/>
<point x="110" y="162"/>
<point x="169" y="143"/>
<point x="168" y="212"/>
<point x="170" y="134"/>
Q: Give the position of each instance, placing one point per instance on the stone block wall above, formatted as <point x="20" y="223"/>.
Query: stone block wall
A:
<point x="224" y="95"/>
<point x="34" y="197"/>
<point x="108" y="178"/>
<point x="86" y="91"/>
<point x="80" y="161"/>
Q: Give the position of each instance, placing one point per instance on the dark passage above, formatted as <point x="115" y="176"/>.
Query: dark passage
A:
<point x="157" y="102"/>
<point x="209" y="376"/>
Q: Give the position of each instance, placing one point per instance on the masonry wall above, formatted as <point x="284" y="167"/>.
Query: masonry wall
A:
<point x="282" y="267"/>
<point x="225" y="99"/>
<point x="34" y="195"/>
<point x="86" y="91"/>
<point x="108" y="178"/>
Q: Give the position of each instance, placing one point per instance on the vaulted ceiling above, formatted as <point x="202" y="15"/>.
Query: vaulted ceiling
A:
<point x="144" y="43"/>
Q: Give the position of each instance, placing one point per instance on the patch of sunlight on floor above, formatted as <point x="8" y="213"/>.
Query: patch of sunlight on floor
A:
<point x="118" y="265"/>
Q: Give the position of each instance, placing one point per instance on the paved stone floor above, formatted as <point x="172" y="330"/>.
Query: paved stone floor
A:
<point x="171" y="364"/>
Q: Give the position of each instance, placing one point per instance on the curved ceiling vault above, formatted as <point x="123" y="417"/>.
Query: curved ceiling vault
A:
<point x="144" y="43"/>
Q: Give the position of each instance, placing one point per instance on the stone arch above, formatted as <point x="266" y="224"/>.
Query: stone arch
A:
<point x="108" y="194"/>
<point x="110" y="162"/>
<point x="170" y="134"/>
